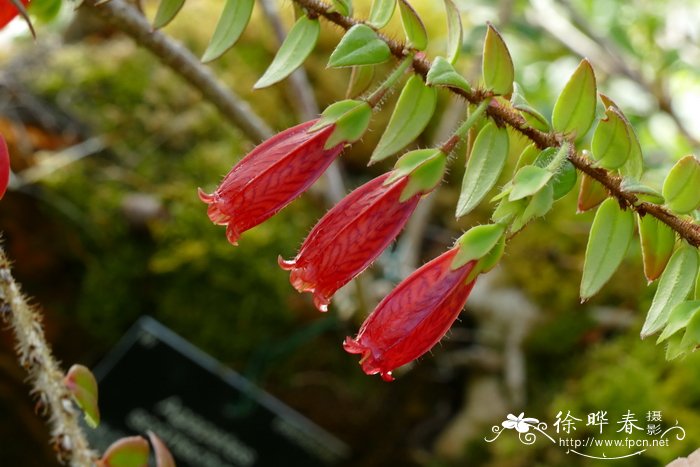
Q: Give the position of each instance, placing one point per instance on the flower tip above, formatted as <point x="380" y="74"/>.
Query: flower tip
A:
<point x="352" y="346"/>
<point x="287" y="265"/>
<point x="205" y="197"/>
<point x="321" y="302"/>
<point x="232" y="234"/>
<point x="386" y="376"/>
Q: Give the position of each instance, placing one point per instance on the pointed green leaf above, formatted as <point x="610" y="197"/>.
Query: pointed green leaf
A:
<point x="610" y="236"/>
<point x="497" y="65"/>
<point x="691" y="337"/>
<point x="489" y="260"/>
<point x="591" y="194"/>
<point x="643" y="192"/>
<point x="442" y="73"/>
<point x="528" y="181"/>
<point x="507" y="211"/>
<point x="675" y="284"/>
<point x="673" y="348"/>
<point x="486" y="162"/>
<point x="361" y="78"/>
<point x="381" y="12"/>
<point x="536" y="206"/>
<point x="344" y="7"/>
<point x="413" y="26"/>
<point x="454" y="31"/>
<point x="231" y="24"/>
<point x="359" y="46"/>
<point x="678" y="318"/>
<point x="126" y="452"/>
<point x="528" y="156"/>
<point x="634" y="167"/>
<point x="531" y="116"/>
<point x="163" y="456"/>
<point x="611" y="145"/>
<point x="574" y="110"/>
<point x="412" y="113"/>
<point x="565" y="175"/>
<point x="298" y="44"/>
<point x="167" y="9"/>
<point x="476" y="243"/>
<point x="682" y="186"/>
<point x="351" y="125"/>
<point x="82" y="384"/>
<point x="657" y="241"/>
<point x="425" y="176"/>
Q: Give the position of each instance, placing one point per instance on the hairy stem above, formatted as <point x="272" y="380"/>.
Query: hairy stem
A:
<point x="503" y="114"/>
<point x="44" y="373"/>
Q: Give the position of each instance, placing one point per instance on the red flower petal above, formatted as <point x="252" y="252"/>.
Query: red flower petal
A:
<point x="413" y="317"/>
<point x="270" y="177"/>
<point x="8" y="11"/>
<point x="349" y="237"/>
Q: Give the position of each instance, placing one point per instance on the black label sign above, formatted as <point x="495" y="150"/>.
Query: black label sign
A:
<point x="207" y="414"/>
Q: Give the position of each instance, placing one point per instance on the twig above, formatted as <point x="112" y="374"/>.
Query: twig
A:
<point x="45" y="376"/>
<point x="129" y="20"/>
<point x="503" y="114"/>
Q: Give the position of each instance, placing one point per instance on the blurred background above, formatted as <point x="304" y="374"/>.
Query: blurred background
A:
<point x="103" y="222"/>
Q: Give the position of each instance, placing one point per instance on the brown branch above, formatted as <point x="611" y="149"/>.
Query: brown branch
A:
<point x="503" y="115"/>
<point x="44" y="373"/>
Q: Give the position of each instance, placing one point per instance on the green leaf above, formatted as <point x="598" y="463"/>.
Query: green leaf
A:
<point x="507" y="211"/>
<point x="531" y="116"/>
<point x="167" y="9"/>
<point x="82" y="384"/>
<point x="682" y="186"/>
<point x="528" y="156"/>
<point x="476" y="243"/>
<point x="657" y="240"/>
<point x="486" y="162"/>
<point x="634" y="167"/>
<point x="611" y="145"/>
<point x="344" y="7"/>
<point x="565" y="175"/>
<point x="574" y="110"/>
<point x="412" y="113"/>
<point x="44" y="10"/>
<point x="231" y="24"/>
<point x="298" y="44"/>
<point x="454" y="31"/>
<point x="361" y="78"/>
<point x="489" y="260"/>
<point x="497" y="65"/>
<point x="414" y="28"/>
<point x="126" y="452"/>
<point x="675" y="284"/>
<point x="359" y="46"/>
<point x="678" y="318"/>
<point x="674" y="349"/>
<point x="643" y="192"/>
<point x="696" y="294"/>
<point x="591" y="194"/>
<point x="610" y="236"/>
<point x="351" y="119"/>
<point x="381" y="12"/>
<point x="691" y="338"/>
<point x="163" y="456"/>
<point x="426" y="175"/>
<point x="442" y="73"/>
<point x="528" y="181"/>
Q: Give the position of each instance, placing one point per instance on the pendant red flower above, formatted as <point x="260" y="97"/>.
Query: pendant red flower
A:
<point x="413" y="317"/>
<point x="270" y="177"/>
<point x="8" y="11"/>
<point x="349" y="237"/>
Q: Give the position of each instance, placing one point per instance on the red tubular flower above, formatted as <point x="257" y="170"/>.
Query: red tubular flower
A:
<point x="349" y="237"/>
<point x="270" y="177"/>
<point x="413" y="317"/>
<point x="8" y="11"/>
